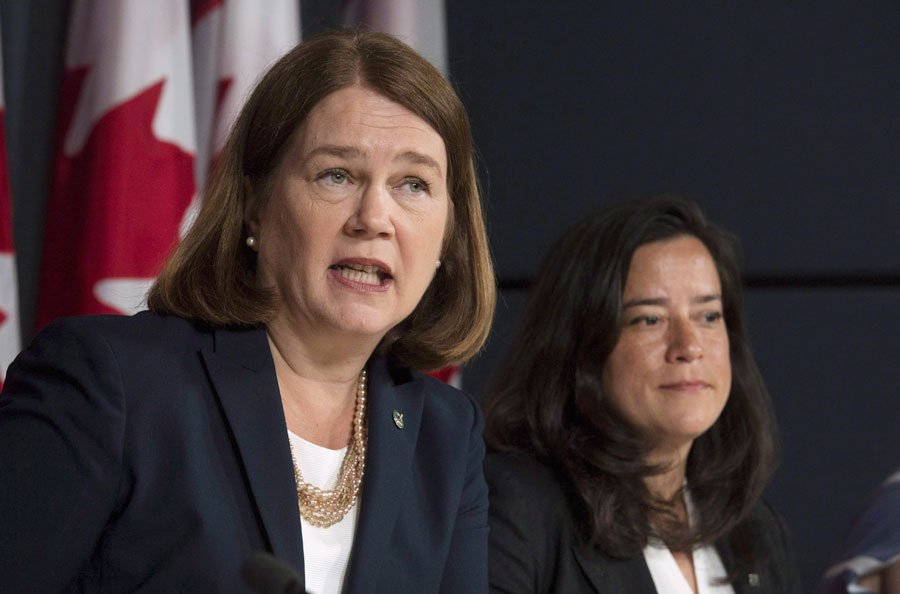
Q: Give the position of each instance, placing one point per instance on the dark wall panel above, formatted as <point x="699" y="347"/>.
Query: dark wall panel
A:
<point x="782" y="121"/>
<point x="830" y="361"/>
<point x="479" y="371"/>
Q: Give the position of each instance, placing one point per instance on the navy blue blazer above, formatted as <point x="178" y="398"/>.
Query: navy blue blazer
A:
<point x="150" y="454"/>
<point x="535" y="546"/>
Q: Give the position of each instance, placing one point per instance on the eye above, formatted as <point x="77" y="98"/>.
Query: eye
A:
<point x="644" y="321"/>
<point x="415" y="185"/>
<point x="337" y="177"/>
<point x="712" y="316"/>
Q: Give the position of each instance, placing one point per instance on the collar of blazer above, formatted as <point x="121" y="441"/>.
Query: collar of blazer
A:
<point x="609" y="575"/>
<point x="242" y="372"/>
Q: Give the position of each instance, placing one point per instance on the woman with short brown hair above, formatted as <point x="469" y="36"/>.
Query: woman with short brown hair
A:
<point x="212" y="274"/>
<point x="270" y="399"/>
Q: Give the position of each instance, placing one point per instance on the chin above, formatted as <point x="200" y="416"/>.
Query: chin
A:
<point x="692" y="433"/>
<point x="362" y="325"/>
<point x="362" y="330"/>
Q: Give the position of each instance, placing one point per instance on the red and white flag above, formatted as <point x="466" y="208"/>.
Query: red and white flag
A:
<point x="9" y="296"/>
<point x="124" y="165"/>
<point x="234" y="43"/>
<point x="143" y="106"/>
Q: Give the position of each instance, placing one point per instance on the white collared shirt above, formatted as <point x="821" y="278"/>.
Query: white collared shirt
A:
<point x="326" y="551"/>
<point x="708" y="568"/>
<point x="668" y="579"/>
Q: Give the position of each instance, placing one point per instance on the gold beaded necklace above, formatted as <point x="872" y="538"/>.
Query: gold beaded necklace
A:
<point x="323" y="508"/>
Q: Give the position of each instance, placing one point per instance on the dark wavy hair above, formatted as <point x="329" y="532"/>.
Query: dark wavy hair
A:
<point x="547" y="398"/>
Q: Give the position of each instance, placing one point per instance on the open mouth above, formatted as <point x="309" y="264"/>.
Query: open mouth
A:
<point x="362" y="273"/>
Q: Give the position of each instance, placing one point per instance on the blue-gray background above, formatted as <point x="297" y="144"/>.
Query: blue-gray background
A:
<point x="782" y="120"/>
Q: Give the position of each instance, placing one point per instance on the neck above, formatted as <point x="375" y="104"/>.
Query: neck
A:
<point x="320" y="354"/>
<point x="318" y="391"/>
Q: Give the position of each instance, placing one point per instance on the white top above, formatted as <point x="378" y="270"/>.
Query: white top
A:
<point x="668" y="579"/>
<point x="708" y="568"/>
<point x="326" y="551"/>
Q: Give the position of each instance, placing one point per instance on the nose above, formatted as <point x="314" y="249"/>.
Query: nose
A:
<point x="371" y="216"/>
<point x="684" y="342"/>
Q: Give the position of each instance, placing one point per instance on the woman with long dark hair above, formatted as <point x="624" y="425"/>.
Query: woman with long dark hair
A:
<point x="631" y="432"/>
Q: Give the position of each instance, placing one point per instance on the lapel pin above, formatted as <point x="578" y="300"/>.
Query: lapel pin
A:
<point x="398" y="419"/>
<point x="753" y="579"/>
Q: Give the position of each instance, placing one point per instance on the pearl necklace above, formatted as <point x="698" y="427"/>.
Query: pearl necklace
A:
<point x="323" y="508"/>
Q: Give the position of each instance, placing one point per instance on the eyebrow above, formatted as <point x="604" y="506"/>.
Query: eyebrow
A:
<point x="350" y="152"/>
<point x="700" y="299"/>
<point x="335" y="150"/>
<point x="419" y="159"/>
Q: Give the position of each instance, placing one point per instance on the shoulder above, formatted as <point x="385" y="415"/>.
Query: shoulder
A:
<point x="767" y="522"/>
<point x="71" y="342"/>
<point x="524" y="485"/>
<point x="100" y="358"/>
<point x="522" y="473"/>
<point x="144" y="329"/>
<point x="145" y="342"/>
<point x="111" y="354"/>
<point x="447" y="400"/>
<point x="442" y="404"/>
<point x="532" y="543"/>
<point x="771" y="532"/>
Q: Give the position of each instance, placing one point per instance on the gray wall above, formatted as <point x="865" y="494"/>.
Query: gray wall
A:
<point x="782" y="121"/>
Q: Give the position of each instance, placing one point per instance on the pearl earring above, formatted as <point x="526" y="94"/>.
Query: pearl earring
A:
<point x="437" y="264"/>
<point x="251" y="242"/>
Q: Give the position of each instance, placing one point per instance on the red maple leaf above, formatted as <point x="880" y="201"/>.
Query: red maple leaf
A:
<point x="114" y="207"/>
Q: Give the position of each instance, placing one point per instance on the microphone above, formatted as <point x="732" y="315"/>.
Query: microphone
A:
<point x="267" y="574"/>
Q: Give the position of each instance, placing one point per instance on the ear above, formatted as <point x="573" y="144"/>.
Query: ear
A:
<point x="251" y="209"/>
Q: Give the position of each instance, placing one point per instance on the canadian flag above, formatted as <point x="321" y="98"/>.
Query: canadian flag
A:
<point x="234" y="43"/>
<point x="130" y="159"/>
<point x="124" y="165"/>
<point x="9" y="297"/>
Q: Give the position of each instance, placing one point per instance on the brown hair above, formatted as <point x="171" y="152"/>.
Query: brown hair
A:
<point x="211" y="276"/>
<point x="547" y="398"/>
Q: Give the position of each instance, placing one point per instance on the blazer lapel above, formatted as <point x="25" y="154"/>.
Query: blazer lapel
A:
<point x="608" y="575"/>
<point x="743" y="583"/>
<point x="388" y="459"/>
<point x="243" y="374"/>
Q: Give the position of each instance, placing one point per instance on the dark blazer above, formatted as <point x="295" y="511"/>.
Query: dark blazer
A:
<point x="147" y="454"/>
<point x="534" y="547"/>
